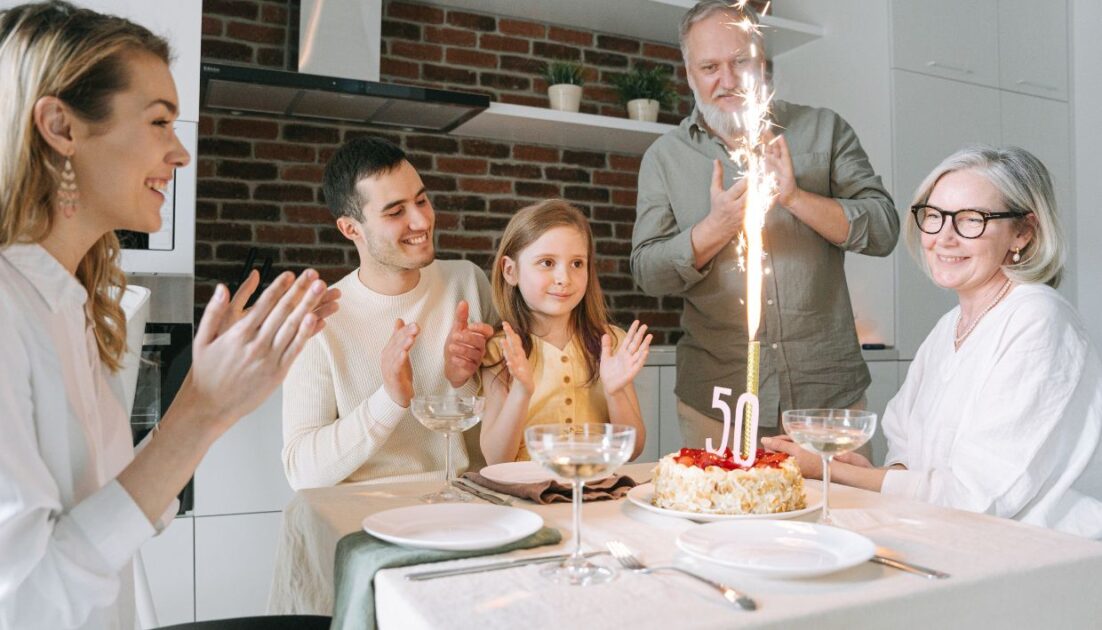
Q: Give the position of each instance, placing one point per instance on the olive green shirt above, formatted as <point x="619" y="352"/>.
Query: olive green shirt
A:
<point x="810" y="356"/>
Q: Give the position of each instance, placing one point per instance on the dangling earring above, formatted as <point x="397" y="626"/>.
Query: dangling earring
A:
<point x="67" y="193"/>
<point x="1017" y="257"/>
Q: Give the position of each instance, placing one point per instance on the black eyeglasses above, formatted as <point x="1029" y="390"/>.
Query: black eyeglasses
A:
<point x="968" y="223"/>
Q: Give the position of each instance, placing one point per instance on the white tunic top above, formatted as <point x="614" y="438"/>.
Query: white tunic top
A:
<point x="1009" y="425"/>
<point x="68" y="530"/>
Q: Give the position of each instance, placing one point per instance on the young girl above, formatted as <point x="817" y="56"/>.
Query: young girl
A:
<point x="555" y="359"/>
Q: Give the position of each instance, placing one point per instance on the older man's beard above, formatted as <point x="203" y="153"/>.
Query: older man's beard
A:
<point x="720" y="122"/>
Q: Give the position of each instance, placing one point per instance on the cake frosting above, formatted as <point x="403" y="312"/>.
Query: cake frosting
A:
<point x="694" y="480"/>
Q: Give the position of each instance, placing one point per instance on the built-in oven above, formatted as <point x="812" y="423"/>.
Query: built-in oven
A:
<point x="165" y="357"/>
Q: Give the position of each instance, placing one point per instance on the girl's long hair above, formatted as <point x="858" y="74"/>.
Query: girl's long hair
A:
<point x="79" y="56"/>
<point x="589" y="320"/>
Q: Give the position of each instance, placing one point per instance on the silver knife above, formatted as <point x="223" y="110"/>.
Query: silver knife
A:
<point x="469" y="486"/>
<point x="909" y="568"/>
<point x="495" y="566"/>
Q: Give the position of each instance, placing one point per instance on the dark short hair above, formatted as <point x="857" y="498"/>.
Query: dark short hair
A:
<point x="356" y="159"/>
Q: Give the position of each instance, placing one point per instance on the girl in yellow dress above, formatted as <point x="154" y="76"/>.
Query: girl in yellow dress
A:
<point x="557" y="358"/>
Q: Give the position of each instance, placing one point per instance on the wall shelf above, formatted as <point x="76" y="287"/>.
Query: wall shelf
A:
<point x="650" y="20"/>
<point x="538" y="125"/>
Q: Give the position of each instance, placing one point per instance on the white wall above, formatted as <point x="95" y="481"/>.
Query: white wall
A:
<point x="847" y="71"/>
<point x="1086" y="138"/>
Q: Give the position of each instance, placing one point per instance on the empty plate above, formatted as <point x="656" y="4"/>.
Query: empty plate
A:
<point x="643" y="496"/>
<point x="518" y="472"/>
<point x="777" y="549"/>
<point x="453" y="526"/>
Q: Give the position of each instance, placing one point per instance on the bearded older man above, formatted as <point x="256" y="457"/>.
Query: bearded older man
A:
<point x="688" y="215"/>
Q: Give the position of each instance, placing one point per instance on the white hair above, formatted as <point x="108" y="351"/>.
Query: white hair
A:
<point x="1025" y="186"/>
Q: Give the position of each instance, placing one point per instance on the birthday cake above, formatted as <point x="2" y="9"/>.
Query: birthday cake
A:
<point x="694" y="480"/>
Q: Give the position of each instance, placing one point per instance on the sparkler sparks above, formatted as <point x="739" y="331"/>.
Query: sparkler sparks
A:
<point x="761" y="189"/>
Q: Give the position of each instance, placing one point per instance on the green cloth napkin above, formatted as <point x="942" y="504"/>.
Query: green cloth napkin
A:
<point x="360" y="555"/>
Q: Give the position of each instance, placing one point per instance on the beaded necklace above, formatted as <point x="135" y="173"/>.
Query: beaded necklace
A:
<point x="998" y="298"/>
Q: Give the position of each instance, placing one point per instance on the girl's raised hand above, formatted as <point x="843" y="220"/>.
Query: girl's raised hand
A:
<point x="618" y="370"/>
<point x="519" y="367"/>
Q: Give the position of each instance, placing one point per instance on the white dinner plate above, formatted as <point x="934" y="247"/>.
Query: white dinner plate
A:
<point x="777" y="549"/>
<point x="522" y="472"/>
<point x="453" y="526"/>
<point x="643" y="496"/>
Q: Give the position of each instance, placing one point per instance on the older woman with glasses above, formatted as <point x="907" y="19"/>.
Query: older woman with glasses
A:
<point x="1001" y="412"/>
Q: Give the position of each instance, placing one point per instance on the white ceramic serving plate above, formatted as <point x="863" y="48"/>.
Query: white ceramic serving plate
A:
<point x="522" y="472"/>
<point x="777" y="549"/>
<point x="453" y="526"/>
<point x="643" y="496"/>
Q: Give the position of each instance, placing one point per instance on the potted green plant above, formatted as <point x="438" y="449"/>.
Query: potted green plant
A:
<point x="645" y="90"/>
<point x="564" y="84"/>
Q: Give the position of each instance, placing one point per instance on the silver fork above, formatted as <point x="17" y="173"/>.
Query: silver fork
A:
<point x="628" y="560"/>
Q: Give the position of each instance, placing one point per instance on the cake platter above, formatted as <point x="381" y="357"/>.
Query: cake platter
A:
<point x="643" y="496"/>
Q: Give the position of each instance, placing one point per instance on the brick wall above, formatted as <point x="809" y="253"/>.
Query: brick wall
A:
<point x="259" y="177"/>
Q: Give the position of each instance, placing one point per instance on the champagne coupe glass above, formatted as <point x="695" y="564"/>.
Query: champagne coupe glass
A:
<point x="448" y="414"/>
<point x="581" y="453"/>
<point x="829" y="432"/>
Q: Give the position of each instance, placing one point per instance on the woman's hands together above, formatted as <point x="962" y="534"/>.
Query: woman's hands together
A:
<point x="239" y="356"/>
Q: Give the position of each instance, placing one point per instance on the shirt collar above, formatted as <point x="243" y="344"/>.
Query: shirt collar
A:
<point x="698" y="130"/>
<point x="58" y="287"/>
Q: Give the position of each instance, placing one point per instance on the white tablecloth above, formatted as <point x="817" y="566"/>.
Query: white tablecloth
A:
<point x="1004" y="574"/>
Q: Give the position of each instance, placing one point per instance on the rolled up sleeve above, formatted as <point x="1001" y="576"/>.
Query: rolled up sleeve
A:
<point x="873" y="220"/>
<point x="662" y="259"/>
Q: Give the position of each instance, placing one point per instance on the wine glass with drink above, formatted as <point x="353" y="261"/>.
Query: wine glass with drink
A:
<point x="448" y="414"/>
<point x="580" y="453"/>
<point x="829" y="432"/>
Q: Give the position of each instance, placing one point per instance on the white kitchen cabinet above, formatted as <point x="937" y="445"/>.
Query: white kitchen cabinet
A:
<point x="169" y="562"/>
<point x="1043" y="127"/>
<point x="885" y="383"/>
<point x="178" y="22"/>
<point x="670" y="439"/>
<point x="1033" y="47"/>
<point x="808" y="75"/>
<point x="646" y="389"/>
<point x="234" y="564"/>
<point x="932" y="119"/>
<point x="947" y="38"/>
<point x="243" y="470"/>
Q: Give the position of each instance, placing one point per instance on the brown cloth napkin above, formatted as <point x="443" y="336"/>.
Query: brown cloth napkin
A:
<point x="551" y="491"/>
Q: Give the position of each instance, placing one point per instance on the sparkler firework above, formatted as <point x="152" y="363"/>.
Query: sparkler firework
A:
<point x="754" y="122"/>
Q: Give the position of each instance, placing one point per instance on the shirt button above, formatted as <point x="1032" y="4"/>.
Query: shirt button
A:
<point x="569" y="420"/>
<point x="774" y="346"/>
<point x="767" y="270"/>
<point x="563" y="359"/>
<point x="569" y="401"/>
<point x="566" y="379"/>
<point x="769" y="302"/>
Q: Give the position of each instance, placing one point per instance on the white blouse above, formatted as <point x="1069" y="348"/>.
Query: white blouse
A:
<point x="1009" y="425"/>
<point x="68" y="530"/>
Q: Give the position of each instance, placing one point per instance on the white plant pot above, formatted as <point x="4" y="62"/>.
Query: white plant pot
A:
<point x="565" y="97"/>
<point x="645" y="109"/>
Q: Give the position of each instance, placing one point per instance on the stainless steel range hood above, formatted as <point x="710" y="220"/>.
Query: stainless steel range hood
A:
<point x="265" y="91"/>
<point x="338" y="77"/>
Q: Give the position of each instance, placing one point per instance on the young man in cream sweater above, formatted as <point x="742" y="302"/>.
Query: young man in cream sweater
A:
<point x="402" y="328"/>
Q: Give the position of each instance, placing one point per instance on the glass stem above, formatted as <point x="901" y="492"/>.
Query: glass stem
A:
<point x="576" y="558"/>
<point x="449" y="477"/>
<point x="825" y="518"/>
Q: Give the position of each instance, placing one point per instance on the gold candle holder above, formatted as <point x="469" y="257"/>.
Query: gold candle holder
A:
<point x="753" y="356"/>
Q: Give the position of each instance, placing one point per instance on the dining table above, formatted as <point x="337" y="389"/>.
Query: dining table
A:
<point x="1003" y="574"/>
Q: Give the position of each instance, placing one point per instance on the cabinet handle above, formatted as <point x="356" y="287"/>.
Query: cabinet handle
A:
<point x="945" y="66"/>
<point x="1043" y="86"/>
